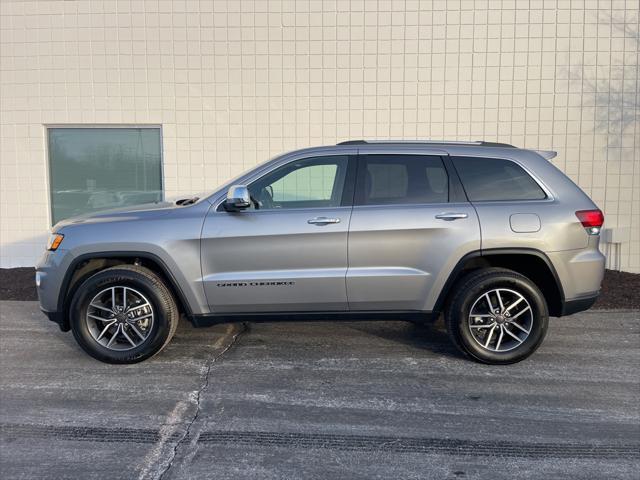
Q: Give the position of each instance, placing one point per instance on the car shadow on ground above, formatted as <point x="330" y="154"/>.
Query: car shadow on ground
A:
<point x="428" y="337"/>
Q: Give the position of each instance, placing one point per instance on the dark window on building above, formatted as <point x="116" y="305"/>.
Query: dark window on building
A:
<point x="94" y="169"/>
<point x="491" y="179"/>
<point x="402" y="179"/>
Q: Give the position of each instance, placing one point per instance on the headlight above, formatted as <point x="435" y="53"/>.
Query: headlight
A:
<point x="54" y="241"/>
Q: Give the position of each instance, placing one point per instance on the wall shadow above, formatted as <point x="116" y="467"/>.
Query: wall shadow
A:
<point x="616" y="98"/>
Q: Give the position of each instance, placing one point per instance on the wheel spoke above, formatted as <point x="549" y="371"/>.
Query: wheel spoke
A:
<point x="135" y="329"/>
<point x="483" y="326"/>
<point x="113" y="298"/>
<point x="142" y="317"/>
<point x="518" y="326"/>
<point x="514" y="304"/>
<point x="124" y="299"/>
<point x="526" y="309"/>
<point x="482" y="315"/>
<point x="105" y="309"/>
<point x="114" y="336"/>
<point x="500" y="300"/>
<point x="500" y="338"/>
<point x="514" y="336"/>
<point x="489" y="301"/>
<point x="124" y="332"/>
<point x="486" y="345"/>
<point x="100" y="319"/>
<point x="105" y="330"/>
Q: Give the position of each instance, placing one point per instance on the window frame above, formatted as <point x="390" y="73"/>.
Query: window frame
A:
<point x="454" y="188"/>
<point x="549" y="197"/>
<point x="51" y="126"/>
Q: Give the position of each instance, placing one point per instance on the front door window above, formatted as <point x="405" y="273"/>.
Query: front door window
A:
<point x="310" y="183"/>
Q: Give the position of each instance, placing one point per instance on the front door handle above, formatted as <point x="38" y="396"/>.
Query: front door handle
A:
<point x="449" y="216"/>
<point x="323" y="221"/>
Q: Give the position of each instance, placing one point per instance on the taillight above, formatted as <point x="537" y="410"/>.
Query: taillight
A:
<point x="591" y="220"/>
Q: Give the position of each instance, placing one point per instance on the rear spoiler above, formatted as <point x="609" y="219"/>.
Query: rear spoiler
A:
<point x="547" y="154"/>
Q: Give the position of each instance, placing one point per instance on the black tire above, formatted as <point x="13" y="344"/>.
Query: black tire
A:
<point x="471" y="288"/>
<point x="165" y="320"/>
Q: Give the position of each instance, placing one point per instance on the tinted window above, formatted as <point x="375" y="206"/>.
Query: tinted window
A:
<point x="312" y="182"/>
<point x="94" y="169"/>
<point x="397" y="179"/>
<point x="486" y="179"/>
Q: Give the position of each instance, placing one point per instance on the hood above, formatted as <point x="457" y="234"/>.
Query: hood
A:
<point x="134" y="212"/>
<point x="119" y="214"/>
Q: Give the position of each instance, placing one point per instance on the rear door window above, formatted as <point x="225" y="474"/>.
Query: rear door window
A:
<point x="495" y="179"/>
<point x="401" y="179"/>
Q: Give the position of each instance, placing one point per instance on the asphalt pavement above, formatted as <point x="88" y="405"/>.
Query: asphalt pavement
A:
<point x="320" y="400"/>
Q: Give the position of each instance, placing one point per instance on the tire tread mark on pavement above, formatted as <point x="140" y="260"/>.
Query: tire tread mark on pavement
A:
<point x="83" y="434"/>
<point x="362" y="443"/>
<point x="458" y="447"/>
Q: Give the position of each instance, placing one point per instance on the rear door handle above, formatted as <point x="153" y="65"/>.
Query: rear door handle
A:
<point x="449" y="216"/>
<point x="322" y="221"/>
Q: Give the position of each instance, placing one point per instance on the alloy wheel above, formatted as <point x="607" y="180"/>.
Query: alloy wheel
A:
<point x="120" y="318"/>
<point x="500" y="320"/>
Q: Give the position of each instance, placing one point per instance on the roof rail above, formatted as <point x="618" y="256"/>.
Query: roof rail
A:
<point x="429" y="142"/>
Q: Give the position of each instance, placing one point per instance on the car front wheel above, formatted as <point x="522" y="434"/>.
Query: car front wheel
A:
<point x="497" y="316"/>
<point x="123" y="314"/>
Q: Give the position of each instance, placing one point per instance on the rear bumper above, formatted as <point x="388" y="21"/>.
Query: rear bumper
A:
<point x="580" y="272"/>
<point x="570" y="307"/>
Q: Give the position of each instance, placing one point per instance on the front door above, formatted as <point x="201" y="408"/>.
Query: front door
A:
<point x="288" y="251"/>
<point x="410" y="225"/>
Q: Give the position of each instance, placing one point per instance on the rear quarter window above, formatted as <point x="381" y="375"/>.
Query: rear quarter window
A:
<point x="495" y="179"/>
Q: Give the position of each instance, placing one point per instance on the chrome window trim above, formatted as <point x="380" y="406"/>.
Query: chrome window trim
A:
<point x="219" y="195"/>
<point x="417" y="205"/>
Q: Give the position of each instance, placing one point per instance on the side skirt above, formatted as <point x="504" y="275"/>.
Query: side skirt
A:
<point x="216" y="318"/>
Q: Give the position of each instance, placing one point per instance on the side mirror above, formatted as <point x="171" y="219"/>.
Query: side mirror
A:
<point x="238" y="198"/>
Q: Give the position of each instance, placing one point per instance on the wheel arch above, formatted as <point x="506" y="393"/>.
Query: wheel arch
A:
<point x="530" y="262"/>
<point x="89" y="264"/>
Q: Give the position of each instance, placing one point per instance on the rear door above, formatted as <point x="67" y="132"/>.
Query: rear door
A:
<point x="288" y="252"/>
<point x="410" y="225"/>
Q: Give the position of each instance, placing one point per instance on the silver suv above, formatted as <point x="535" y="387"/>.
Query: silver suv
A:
<point x="494" y="237"/>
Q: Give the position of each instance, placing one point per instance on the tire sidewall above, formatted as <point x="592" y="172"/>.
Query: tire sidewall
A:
<point x="100" y="281"/>
<point x="538" y="329"/>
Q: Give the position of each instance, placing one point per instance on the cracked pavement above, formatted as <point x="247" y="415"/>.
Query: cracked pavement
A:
<point x="320" y="400"/>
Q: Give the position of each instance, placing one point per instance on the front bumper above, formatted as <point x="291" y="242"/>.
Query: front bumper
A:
<point x="59" y="318"/>
<point x="50" y="270"/>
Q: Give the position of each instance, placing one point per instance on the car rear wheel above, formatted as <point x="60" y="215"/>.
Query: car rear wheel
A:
<point x="497" y="316"/>
<point x="123" y="314"/>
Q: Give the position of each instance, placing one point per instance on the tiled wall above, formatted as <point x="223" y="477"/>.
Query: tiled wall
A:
<point x="235" y="82"/>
